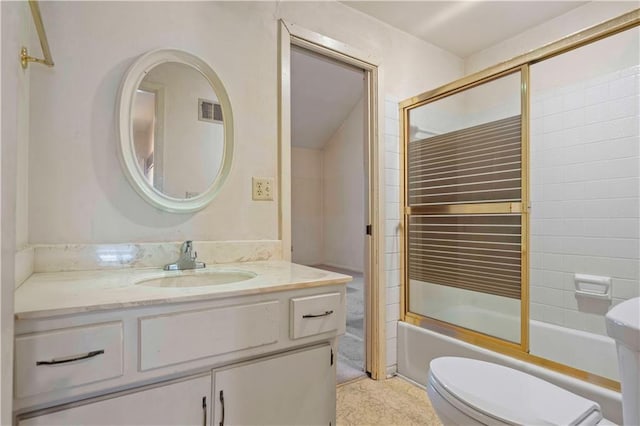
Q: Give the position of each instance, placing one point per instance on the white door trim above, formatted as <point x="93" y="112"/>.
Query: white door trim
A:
<point x="291" y="34"/>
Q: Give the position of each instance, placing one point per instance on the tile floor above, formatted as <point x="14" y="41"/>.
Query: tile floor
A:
<point x="388" y="402"/>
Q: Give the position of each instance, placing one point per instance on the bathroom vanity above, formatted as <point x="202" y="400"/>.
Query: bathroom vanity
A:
<point x="143" y="346"/>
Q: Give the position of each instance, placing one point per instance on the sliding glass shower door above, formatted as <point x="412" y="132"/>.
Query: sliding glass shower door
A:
<point x="464" y="216"/>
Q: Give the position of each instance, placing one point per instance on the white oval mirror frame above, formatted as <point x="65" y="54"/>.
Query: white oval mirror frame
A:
<point x="132" y="79"/>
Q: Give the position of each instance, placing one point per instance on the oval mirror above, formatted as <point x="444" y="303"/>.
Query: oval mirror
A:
<point x="176" y="130"/>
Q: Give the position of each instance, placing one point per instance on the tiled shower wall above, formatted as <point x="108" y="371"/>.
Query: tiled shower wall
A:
<point x="585" y="185"/>
<point x="392" y="227"/>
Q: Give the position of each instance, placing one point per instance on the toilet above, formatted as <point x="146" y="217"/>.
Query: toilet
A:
<point x="466" y="391"/>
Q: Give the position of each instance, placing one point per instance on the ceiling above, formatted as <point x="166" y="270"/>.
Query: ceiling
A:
<point x="464" y="27"/>
<point x="323" y="93"/>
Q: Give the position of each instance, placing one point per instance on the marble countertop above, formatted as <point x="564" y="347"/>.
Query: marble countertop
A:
<point x="51" y="294"/>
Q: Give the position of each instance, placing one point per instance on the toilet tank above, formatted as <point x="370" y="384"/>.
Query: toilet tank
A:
<point x="623" y="325"/>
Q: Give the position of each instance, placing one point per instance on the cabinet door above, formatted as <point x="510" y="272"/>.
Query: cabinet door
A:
<point x="293" y="389"/>
<point x="184" y="402"/>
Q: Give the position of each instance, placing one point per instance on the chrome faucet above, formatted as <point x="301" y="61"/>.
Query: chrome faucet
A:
<point x="186" y="259"/>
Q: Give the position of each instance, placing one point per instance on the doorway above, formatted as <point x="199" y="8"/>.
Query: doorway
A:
<point x="293" y="36"/>
<point x="328" y="191"/>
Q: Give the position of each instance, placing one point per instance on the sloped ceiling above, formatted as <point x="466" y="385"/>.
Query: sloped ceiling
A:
<point x="323" y="93"/>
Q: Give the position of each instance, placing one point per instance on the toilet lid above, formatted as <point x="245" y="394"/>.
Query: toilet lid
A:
<point x="509" y="396"/>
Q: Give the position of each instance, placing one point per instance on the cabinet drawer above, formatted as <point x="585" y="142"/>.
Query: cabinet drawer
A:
<point x="186" y="336"/>
<point x="316" y="314"/>
<point x="69" y="357"/>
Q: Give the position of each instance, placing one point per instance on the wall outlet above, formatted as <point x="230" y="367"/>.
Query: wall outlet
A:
<point x="262" y="189"/>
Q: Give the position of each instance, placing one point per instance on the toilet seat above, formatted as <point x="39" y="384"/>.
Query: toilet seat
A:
<point x="494" y="394"/>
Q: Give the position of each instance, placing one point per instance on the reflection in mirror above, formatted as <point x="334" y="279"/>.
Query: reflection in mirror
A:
<point x="178" y="130"/>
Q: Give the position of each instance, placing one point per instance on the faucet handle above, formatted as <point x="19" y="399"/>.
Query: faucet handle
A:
<point x="195" y="255"/>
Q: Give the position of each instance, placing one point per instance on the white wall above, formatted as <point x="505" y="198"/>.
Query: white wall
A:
<point x="91" y="201"/>
<point x="343" y="193"/>
<point x="306" y="206"/>
<point x="573" y="21"/>
<point x="328" y="200"/>
<point x="16" y="27"/>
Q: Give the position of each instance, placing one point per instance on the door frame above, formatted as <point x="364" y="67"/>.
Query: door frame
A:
<point x="291" y="34"/>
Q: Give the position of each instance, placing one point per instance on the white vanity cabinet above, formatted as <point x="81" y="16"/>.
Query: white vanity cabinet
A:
<point x="269" y="355"/>
<point x="293" y="389"/>
<point x="184" y="402"/>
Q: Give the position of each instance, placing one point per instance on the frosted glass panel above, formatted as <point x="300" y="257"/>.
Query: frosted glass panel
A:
<point x="465" y="150"/>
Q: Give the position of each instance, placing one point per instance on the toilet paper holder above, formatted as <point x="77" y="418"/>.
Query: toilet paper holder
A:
<point x="593" y="286"/>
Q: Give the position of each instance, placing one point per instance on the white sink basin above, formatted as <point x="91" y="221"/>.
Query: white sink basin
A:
<point x="199" y="279"/>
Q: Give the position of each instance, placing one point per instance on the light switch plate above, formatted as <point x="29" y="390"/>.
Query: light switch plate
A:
<point x="262" y="189"/>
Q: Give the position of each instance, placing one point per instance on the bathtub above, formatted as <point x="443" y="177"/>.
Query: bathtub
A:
<point x="587" y="351"/>
<point x="579" y="349"/>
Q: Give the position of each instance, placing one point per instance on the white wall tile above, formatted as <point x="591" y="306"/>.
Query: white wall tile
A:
<point x="552" y="105"/>
<point x="391" y="143"/>
<point x="392" y="244"/>
<point x="623" y="228"/>
<point x="573" y="100"/>
<point x="392" y="330"/>
<point x="392" y="161"/>
<point x="391" y="126"/>
<point x="596" y="94"/>
<point x="552" y="123"/>
<point x="391" y="227"/>
<point x="392" y="177"/>
<point x="392" y="210"/>
<point x="391" y="109"/>
<point x="392" y="352"/>
<point x="392" y="193"/>
<point x="392" y="222"/>
<point x="552" y="262"/>
<point x="546" y="296"/>
<point x="393" y="312"/>
<point x="593" y="323"/>
<point x="625" y="289"/>
<point x="393" y="296"/>
<point x="585" y="195"/>
<point x="393" y="278"/>
<point x="623" y="87"/>
<point x="391" y="261"/>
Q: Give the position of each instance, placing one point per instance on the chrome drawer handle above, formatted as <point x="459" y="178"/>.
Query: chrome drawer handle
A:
<point x="326" y="313"/>
<point x="222" y="403"/>
<point x="71" y="358"/>
<point x="204" y="410"/>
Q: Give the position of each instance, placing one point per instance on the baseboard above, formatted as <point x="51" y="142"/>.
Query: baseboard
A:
<point x="345" y="267"/>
